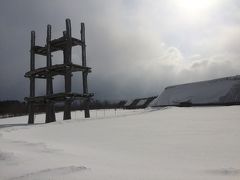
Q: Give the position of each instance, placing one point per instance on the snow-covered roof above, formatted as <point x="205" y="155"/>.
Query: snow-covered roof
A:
<point x="128" y="103"/>
<point x="223" y="90"/>
<point x="141" y="102"/>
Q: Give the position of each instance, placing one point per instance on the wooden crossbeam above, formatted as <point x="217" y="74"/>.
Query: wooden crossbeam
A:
<point x="56" y="45"/>
<point x="58" y="97"/>
<point x="57" y="69"/>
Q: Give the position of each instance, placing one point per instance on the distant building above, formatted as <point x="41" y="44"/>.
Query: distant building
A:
<point x="139" y="103"/>
<point x="223" y="91"/>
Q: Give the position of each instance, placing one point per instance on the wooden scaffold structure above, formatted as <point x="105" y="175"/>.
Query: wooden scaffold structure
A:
<point x="64" y="44"/>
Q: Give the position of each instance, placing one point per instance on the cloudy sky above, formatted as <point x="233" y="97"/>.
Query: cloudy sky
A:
<point x="135" y="47"/>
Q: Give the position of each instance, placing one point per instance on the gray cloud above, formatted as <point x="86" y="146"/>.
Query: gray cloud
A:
<point x="135" y="48"/>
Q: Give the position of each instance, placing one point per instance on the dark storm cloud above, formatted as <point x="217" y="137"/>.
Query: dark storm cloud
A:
<point x="135" y="48"/>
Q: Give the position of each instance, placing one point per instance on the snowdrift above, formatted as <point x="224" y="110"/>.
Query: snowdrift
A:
<point x="223" y="91"/>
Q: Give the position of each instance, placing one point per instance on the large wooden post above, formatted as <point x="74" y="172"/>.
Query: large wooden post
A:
<point x="68" y="76"/>
<point x="32" y="79"/>
<point x="84" y="73"/>
<point x="50" y="113"/>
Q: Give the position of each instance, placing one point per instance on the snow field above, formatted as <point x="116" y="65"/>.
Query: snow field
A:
<point x="170" y="144"/>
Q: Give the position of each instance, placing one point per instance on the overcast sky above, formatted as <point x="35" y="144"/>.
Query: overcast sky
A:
<point x="135" y="47"/>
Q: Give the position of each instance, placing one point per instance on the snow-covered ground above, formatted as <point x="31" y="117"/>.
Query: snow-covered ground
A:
<point x="168" y="144"/>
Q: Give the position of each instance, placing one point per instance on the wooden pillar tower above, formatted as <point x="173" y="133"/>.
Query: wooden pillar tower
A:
<point x="64" y="44"/>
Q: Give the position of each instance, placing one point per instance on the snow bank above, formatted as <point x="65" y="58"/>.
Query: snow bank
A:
<point x="217" y="91"/>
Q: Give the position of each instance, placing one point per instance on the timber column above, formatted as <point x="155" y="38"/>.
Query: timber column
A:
<point x="50" y="112"/>
<point x="84" y="73"/>
<point x="32" y="79"/>
<point x="67" y="55"/>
